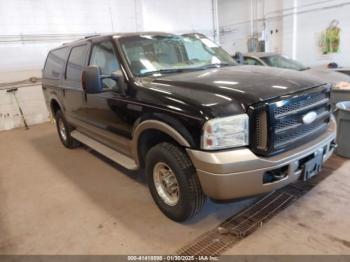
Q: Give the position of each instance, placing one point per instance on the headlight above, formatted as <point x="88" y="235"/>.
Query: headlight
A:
<point x="227" y="132"/>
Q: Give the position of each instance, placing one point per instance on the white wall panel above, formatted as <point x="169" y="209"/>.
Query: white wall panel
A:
<point x="179" y="16"/>
<point x="32" y="103"/>
<point x="310" y="27"/>
<point x="44" y="24"/>
<point x="234" y="33"/>
<point x="235" y="23"/>
<point x="313" y="17"/>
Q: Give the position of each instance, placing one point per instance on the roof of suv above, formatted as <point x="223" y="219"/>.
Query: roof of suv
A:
<point x="100" y="36"/>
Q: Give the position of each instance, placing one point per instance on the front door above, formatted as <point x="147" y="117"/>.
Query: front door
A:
<point x="104" y="112"/>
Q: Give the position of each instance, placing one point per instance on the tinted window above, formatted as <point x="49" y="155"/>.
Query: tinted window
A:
<point x="76" y="62"/>
<point x="102" y="55"/>
<point x="283" y="62"/>
<point x="56" y="60"/>
<point x="251" y="61"/>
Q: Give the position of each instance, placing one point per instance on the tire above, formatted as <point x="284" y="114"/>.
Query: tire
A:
<point x="65" y="135"/>
<point x="173" y="160"/>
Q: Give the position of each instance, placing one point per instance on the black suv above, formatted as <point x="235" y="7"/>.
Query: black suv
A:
<point x="180" y="107"/>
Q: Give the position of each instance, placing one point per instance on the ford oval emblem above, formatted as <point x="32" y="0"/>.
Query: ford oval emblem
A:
<point x="309" y="117"/>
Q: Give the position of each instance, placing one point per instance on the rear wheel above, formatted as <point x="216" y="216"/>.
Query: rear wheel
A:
<point x="64" y="131"/>
<point x="173" y="182"/>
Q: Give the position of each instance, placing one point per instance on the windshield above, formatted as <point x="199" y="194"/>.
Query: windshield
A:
<point x="161" y="54"/>
<point x="283" y="62"/>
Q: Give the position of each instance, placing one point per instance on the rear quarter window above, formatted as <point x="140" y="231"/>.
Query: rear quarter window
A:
<point x="55" y="63"/>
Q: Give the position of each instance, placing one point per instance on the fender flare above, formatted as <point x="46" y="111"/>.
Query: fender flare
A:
<point x="55" y="99"/>
<point x="155" y="125"/>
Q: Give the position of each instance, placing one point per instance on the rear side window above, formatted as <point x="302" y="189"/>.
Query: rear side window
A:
<point x="76" y="62"/>
<point x="56" y="60"/>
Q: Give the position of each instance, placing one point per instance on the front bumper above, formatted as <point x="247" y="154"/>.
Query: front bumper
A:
<point x="240" y="173"/>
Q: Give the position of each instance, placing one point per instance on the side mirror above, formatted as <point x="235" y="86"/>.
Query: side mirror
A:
<point x="91" y="80"/>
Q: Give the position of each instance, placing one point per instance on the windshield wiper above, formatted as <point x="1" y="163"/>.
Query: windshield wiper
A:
<point x="168" y="71"/>
<point x="180" y="70"/>
<point x="305" y="68"/>
<point x="216" y="65"/>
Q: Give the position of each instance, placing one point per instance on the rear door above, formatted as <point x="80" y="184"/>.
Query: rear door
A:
<point x="73" y="92"/>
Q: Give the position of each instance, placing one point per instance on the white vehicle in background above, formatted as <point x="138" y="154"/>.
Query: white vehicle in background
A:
<point x="337" y="79"/>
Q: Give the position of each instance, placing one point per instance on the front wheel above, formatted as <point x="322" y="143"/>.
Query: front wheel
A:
<point x="173" y="182"/>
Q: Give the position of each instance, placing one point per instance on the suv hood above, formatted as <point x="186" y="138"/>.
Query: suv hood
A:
<point x="242" y="85"/>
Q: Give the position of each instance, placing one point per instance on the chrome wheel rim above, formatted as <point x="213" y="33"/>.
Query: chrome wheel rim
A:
<point x="166" y="184"/>
<point x="62" y="129"/>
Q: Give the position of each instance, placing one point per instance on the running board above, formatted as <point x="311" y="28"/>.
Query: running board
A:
<point x="113" y="155"/>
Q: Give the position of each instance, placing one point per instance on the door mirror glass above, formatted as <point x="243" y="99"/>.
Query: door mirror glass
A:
<point x="91" y="80"/>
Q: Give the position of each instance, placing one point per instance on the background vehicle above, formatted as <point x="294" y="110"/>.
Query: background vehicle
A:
<point x="276" y="60"/>
<point x="181" y="109"/>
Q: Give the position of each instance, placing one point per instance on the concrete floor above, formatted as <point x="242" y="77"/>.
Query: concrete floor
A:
<point x="59" y="201"/>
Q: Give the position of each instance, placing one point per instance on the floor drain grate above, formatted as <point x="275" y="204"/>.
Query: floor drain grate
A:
<point x="217" y="240"/>
<point x="245" y="222"/>
<point x="211" y="243"/>
<point x="250" y="219"/>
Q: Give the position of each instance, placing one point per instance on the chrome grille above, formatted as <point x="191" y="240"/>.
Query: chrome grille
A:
<point x="278" y="125"/>
<point x="299" y="133"/>
<point x="306" y="102"/>
<point x="294" y="121"/>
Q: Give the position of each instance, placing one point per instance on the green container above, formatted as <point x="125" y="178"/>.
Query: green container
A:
<point x="343" y="131"/>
